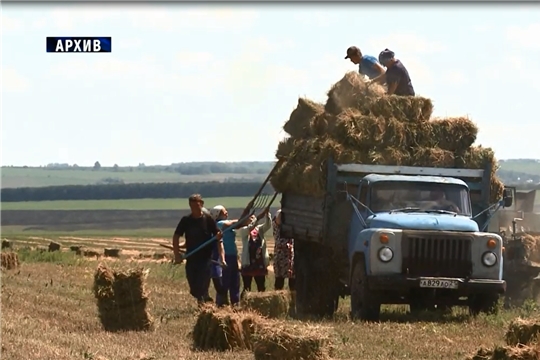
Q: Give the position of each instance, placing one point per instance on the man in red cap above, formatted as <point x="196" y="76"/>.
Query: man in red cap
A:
<point x="367" y="65"/>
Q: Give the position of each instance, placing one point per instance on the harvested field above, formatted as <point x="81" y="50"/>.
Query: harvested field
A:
<point x="362" y="126"/>
<point x="49" y="312"/>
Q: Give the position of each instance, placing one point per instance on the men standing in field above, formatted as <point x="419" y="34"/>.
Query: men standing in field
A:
<point x="367" y="65"/>
<point x="397" y="76"/>
<point x="197" y="228"/>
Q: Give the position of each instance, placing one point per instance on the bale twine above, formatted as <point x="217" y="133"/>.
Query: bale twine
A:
<point x="224" y="329"/>
<point x="112" y="252"/>
<point x="522" y="331"/>
<point x="294" y="342"/>
<point x="270" y="304"/>
<point x="9" y="260"/>
<point x="6" y="244"/>
<point x="54" y="246"/>
<point x="122" y="299"/>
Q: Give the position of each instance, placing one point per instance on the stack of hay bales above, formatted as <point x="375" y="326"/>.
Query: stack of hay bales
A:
<point x="9" y="260"/>
<point x="224" y="329"/>
<point x="122" y="299"/>
<point x="358" y="124"/>
<point x="521" y="343"/>
<point x="270" y="304"/>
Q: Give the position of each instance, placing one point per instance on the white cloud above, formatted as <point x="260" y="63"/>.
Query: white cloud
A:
<point x="406" y="42"/>
<point x="189" y="59"/>
<point x="12" y="81"/>
<point x="482" y="28"/>
<point x="455" y="77"/>
<point x="525" y="36"/>
<point x="11" y="23"/>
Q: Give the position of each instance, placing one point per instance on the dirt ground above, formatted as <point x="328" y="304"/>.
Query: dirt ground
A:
<point x="48" y="312"/>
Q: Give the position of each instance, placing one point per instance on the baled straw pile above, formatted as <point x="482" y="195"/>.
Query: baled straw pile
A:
<point x="296" y="342"/>
<point x="531" y="243"/>
<point x="224" y="329"/>
<point x="122" y="299"/>
<point x="6" y="244"/>
<point x="112" y="252"/>
<point x="9" y="260"/>
<point x="270" y="304"/>
<point x="521" y="343"/>
<point x="358" y="124"/>
<point x="54" y="246"/>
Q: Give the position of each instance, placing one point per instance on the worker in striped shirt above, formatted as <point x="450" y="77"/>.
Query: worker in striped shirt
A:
<point x="367" y="65"/>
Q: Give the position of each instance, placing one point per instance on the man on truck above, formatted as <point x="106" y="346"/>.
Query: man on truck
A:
<point x="367" y="65"/>
<point x="397" y="76"/>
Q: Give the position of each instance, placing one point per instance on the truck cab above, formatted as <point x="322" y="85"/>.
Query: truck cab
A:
<point x="396" y="235"/>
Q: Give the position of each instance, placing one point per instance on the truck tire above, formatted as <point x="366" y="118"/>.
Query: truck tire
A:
<point x="365" y="304"/>
<point x="486" y="303"/>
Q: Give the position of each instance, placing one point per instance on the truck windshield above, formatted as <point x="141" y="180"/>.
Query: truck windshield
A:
<point x="420" y="196"/>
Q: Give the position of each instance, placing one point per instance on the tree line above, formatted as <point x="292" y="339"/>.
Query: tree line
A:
<point x="131" y="191"/>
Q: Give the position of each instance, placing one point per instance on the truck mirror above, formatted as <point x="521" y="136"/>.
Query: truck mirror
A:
<point x="508" y="200"/>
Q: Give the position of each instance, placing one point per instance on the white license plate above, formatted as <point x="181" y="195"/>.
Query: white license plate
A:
<point x="438" y="284"/>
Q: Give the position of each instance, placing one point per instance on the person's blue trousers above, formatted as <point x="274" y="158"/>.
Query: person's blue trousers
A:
<point x="230" y="281"/>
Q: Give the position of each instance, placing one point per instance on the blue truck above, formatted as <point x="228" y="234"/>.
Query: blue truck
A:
<point x="396" y="235"/>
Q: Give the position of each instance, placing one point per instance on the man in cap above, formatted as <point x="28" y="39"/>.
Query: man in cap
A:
<point x="367" y="65"/>
<point x="197" y="228"/>
<point x="397" y="76"/>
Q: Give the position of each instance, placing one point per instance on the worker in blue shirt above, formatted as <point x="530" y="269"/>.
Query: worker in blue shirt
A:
<point x="367" y="65"/>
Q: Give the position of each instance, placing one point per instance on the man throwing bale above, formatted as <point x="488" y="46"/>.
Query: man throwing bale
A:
<point x="197" y="228"/>
<point x="397" y="76"/>
<point x="367" y="65"/>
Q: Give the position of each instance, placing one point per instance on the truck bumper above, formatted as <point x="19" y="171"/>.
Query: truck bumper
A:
<point x="465" y="287"/>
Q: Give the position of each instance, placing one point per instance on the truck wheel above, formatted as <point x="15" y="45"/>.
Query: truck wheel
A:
<point x="486" y="303"/>
<point x="365" y="304"/>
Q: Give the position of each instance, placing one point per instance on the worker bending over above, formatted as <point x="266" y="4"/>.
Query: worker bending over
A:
<point x="397" y="76"/>
<point x="367" y="65"/>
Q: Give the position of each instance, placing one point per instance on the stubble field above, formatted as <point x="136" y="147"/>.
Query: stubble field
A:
<point x="49" y="312"/>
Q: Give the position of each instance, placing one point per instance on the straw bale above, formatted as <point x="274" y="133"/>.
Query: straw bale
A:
<point x="122" y="299"/>
<point x="522" y="331"/>
<point x="223" y="329"/>
<point x="432" y="157"/>
<point x="54" y="246"/>
<point x="6" y="244"/>
<point x="299" y="123"/>
<point x="112" y="252"/>
<point x="271" y="304"/>
<point x="507" y="353"/>
<point x="9" y="260"/>
<point x="76" y="248"/>
<point x="454" y="133"/>
<point x="403" y="108"/>
<point x="294" y="342"/>
<point x="91" y="253"/>
<point x="531" y="245"/>
<point x="351" y="92"/>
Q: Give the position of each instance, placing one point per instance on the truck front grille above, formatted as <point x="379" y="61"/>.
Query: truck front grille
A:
<point x="444" y="255"/>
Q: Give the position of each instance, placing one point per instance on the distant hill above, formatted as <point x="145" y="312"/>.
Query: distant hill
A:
<point x="512" y="171"/>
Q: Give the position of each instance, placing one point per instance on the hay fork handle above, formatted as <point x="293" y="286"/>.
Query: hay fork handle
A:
<point x="265" y="182"/>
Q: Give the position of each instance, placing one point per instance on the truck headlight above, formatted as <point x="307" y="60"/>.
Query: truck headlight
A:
<point x="386" y="254"/>
<point x="489" y="259"/>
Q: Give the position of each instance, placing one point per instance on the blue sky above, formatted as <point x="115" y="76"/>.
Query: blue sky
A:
<point x="216" y="83"/>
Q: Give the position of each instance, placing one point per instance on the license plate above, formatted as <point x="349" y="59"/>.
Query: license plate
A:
<point x="438" y="284"/>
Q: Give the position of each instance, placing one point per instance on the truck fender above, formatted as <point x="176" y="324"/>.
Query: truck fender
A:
<point x="358" y="256"/>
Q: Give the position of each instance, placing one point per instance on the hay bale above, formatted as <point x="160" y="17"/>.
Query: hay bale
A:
<point x="522" y="331"/>
<point x="531" y="245"/>
<point x="223" y="329"/>
<point x="91" y="253"/>
<point x="9" y="260"/>
<point x="299" y="123"/>
<point x="6" y="244"/>
<point x="296" y="342"/>
<point x="507" y="353"/>
<point x="453" y="134"/>
<point x="54" y="246"/>
<point x="76" y="249"/>
<point x="271" y="304"/>
<point x="112" y="252"/>
<point x="122" y="299"/>
<point x="351" y="91"/>
<point x="404" y="108"/>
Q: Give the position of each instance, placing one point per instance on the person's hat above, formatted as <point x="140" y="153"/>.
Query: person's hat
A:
<point x="386" y="55"/>
<point x="352" y="51"/>
<point x="216" y="211"/>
